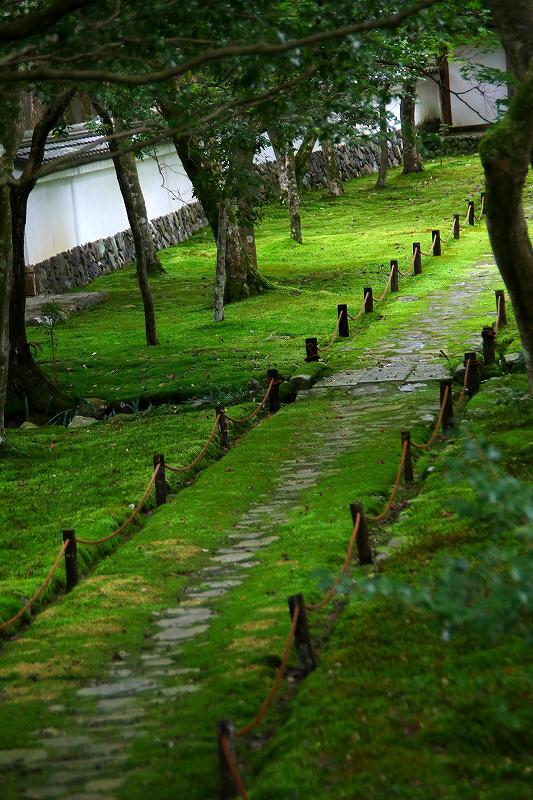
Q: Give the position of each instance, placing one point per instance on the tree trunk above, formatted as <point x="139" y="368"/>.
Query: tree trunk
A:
<point x="301" y="159"/>
<point x="245" y="160"/>
<point x="412" y="160"/>
<point x="285" y="164"/>
<point x="383" y="146"/>
<point x="333" y="173"/>
<point x="243" y="280"/>
<point x="506" y="152"/>
<point x="10" y="132"/>
<point x="128" y="180"/>
<point x="27" y="383"/>
<point x="145" y="255"/>
<point x="220" y="277"/>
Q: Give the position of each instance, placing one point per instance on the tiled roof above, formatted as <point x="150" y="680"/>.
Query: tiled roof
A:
<point x="65" y="146"/>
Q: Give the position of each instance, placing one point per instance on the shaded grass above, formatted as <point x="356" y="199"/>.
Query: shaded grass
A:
<point x="348" y="243"/>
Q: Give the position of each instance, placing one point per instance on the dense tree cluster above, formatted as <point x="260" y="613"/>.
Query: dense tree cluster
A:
<point x="214" y="77"/>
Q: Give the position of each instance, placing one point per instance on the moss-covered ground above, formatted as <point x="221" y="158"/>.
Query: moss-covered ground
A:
<point x="391" y="709"/>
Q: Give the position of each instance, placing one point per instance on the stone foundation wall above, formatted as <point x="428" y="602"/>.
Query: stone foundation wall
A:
<point x="81" y="265"/>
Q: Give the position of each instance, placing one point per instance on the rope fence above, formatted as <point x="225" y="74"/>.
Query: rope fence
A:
<point x="256" y="411"/>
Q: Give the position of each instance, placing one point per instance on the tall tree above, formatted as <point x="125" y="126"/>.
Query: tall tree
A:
<point x="26" y="379"/>
<point x="283" y="146"/>
<point x="506" y="153"/>
<point x="412" y="160"/>
<point x="146" y="259"/>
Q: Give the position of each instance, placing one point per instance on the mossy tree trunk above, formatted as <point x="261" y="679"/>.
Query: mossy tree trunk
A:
<point x="10" y="132"/>
<point x="412" y="160"/>
<point x="506" y="152"/>
<point x="383" y="146"/>
<point x="333" y="173"/>
<point x="288" y="185"/>
<point x="27" y="383"/>
<point x="243" y="280"/>
<point x="146" y="259"/>
<point x="301" y="159"/>
<point x="220" y="276"/>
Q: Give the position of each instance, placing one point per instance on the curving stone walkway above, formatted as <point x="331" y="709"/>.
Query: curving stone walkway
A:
<point x="84" y="761"/>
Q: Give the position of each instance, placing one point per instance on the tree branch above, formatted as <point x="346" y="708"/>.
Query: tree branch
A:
<point x="39" y="21"/>
<point x="216" y="54"/>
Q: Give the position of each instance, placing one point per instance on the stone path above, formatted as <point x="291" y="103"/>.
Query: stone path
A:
<point x="83" y="761"/>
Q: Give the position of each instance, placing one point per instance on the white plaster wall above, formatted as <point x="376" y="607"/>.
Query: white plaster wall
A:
<point x="84" y="204"/>
<point x="482" y="99"/>
<point x="428" y="101"/>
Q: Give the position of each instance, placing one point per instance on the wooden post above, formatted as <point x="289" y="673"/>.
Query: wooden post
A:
<point x="226" y="730"/>
<point x="447" y="414"/>
<point x="223" y="428"/>
<point x="408" y="474"/>
<point x="471" y="212"/>
<point x="394" y="279"/>
<point x="472" y="384"/>
<point x="369" y="300"/>
<point x="160" y="481"/>
<point x="71" y="558"/>
<point x="363" y="542"/>
<point x="273" y="397"/>
<point x="456" y="226"/>
<point x="342" y="316"/>
<point x="311" y="349"/>
<point x="302" y="640"/>
<point x="488" y="335"/>
<point x="503" y="314"/>
<point x="436" y="247"/>
<point x="417" y="264"/>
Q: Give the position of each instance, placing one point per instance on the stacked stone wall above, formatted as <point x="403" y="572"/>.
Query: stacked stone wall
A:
<point x="81" y="265"/>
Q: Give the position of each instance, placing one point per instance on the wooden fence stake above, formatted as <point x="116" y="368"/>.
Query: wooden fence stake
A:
<point x="369" y="300"/>
<point x="471" y="212"/>
<point x="363" y="542"/>
<point x="503" y="313"/>
<point x="311" y="349"/>
<point x="473" y="380"/>
<point x="226" y="729"/>
<point x="488" y="336"/>
<point x="71" y="558"/>
<point x="302" y="640"/>
<point x="447" y="415"/>
<point x="342" y="316"/>
<point x="394" y="279"/>
<point x="408" y="474"/>
<point x="436" y="248"/>
<point x="417" y="264"/>
<point x="223" y="428"/>
<point x="456" y="226"/>
<point x="273" y="397"/>
<point x="160" y="481"/>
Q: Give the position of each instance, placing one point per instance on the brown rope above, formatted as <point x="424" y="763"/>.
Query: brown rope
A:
<point x="267" y="702"/>
<point x="28" y="604"/>
<point x="354" y="319"/>
<point x="412" y="265"/>
<point x="232" y="766"/>
<point x="447" y="239"/>
<point x="437" y="424"/>
<point x="333" y="589"/>
<point x="463" y="390"/>
<point x="132" y="516"/>
<point x="386" y="289"/>
<point x="257" y="410"/>
<point x="335" y="334"/>
<point x="431" y="248"/>
<point x="384" y="514"/>
<point x="202" y="452"/>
